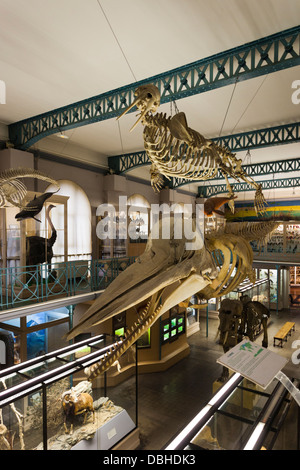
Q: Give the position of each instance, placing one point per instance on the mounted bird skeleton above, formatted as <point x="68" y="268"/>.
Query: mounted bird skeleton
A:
<point x="168" y="273"/>
<point x="176" y="150"/>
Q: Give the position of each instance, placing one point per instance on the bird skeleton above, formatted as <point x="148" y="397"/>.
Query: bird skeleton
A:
<point x="13" y="191"/>
<point x="166" y="274"/>
<point x="176" y="150"/>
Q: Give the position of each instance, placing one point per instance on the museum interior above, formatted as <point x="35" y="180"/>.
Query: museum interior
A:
<point x="150" y="225"/>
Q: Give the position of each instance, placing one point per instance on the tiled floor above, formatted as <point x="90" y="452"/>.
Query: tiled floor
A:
<point x="168" y="400"/>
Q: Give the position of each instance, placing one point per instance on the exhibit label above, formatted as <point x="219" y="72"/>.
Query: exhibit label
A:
<point x="258" y="364"/>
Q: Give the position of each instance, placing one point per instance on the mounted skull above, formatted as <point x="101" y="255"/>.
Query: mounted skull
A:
<point x="147" y="100"/>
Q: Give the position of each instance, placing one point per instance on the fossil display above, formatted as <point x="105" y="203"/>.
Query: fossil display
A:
<point x="175" y="150"/>
<point x="168" y="273"/>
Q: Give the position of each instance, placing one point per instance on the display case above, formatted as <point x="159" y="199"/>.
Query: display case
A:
<point x="283" y="245"/>
<point x="47" y="404"/>
<point x="243" y="416"/>
<point x="15" y="234"/>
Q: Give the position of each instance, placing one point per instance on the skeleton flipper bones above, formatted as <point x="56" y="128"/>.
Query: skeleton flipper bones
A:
<point x="176" y="150"/>
<point x="166" y="274"/>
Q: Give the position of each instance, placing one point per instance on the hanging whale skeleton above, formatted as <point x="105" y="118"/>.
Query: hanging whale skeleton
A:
<point x="176" y="150"/>
<point x="168" y="273"/>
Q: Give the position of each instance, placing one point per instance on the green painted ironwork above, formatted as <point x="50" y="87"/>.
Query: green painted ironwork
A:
<point x="254" y="170"/>
<point x="267" y="137"/>
<point x="270" y="54"/>
<point x="213" y="190"/>
<point x="31" y="284"/>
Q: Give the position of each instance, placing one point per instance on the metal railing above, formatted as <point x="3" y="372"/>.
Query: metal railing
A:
<point x="22" y="285"/>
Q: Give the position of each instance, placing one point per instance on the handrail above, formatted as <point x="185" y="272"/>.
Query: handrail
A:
<point x="26" y="285"/>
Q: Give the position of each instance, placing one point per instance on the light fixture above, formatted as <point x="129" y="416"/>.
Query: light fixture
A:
<point x="255" y="436"/>
<point x="205" y="414"/>
<point x="62" y="135"/>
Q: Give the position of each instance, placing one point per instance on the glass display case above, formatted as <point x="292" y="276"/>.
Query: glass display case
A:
<point x="22" y="239"/>
<point x="243" y="416"/>
<point x="47" y="404"/>
<point x="283" y="245"/>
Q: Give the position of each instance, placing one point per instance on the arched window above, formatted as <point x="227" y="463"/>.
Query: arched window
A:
<point x="79" y="223"/>
<point x="138" y="212"/>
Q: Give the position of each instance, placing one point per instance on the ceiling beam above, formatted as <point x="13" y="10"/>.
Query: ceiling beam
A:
<point x="263" y="56"/>
<point x="267" y="137"/>
<point x="208" y="191"/>
<point x="253" y="170"/>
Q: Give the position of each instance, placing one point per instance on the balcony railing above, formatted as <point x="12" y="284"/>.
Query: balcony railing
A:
<point x="31" y="284"/>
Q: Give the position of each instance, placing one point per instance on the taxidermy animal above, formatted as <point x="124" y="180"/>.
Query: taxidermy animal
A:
<point x="169" y="272"/>
<point x="12" y="190"/>
<point x="38" y="249"/>
<point x="34" y="207"/>
<point x="212" y="205"/>
<point x="75" y="404"/>
<point x="176" y="150"/>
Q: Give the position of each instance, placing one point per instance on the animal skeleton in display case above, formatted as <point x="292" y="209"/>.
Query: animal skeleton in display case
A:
<point x="169" y="272"/>
<point x="177" y="151"/>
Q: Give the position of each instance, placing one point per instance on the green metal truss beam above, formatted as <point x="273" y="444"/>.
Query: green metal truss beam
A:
<point x="270" y="54"/>
<point x="208" y="191"/>
<point x="267" y="137"/>
<point x="253" y="170"/>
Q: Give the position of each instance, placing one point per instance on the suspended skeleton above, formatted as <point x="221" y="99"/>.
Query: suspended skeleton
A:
<point x="167" y="273"/>
<point x="176" y="150"/>
<point x="13" y="191"/>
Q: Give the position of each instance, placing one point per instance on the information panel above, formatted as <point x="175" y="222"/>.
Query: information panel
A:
<point x="258" y="364"/>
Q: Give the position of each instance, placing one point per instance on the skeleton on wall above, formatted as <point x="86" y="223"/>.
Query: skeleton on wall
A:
<point x="177" y="151"/>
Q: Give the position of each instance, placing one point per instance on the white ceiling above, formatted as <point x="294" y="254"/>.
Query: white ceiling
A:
<point x="57" y="52"/>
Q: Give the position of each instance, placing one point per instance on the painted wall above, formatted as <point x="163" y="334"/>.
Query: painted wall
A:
<point x="283" y="210"/>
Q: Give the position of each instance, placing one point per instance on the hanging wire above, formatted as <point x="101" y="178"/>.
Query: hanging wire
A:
<point x="176" y="110"/>
<point x="121" y="140"/>
<point x="228" y="105"/>
<point x="261" y="84"/>
<point x="117" y="40"/>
